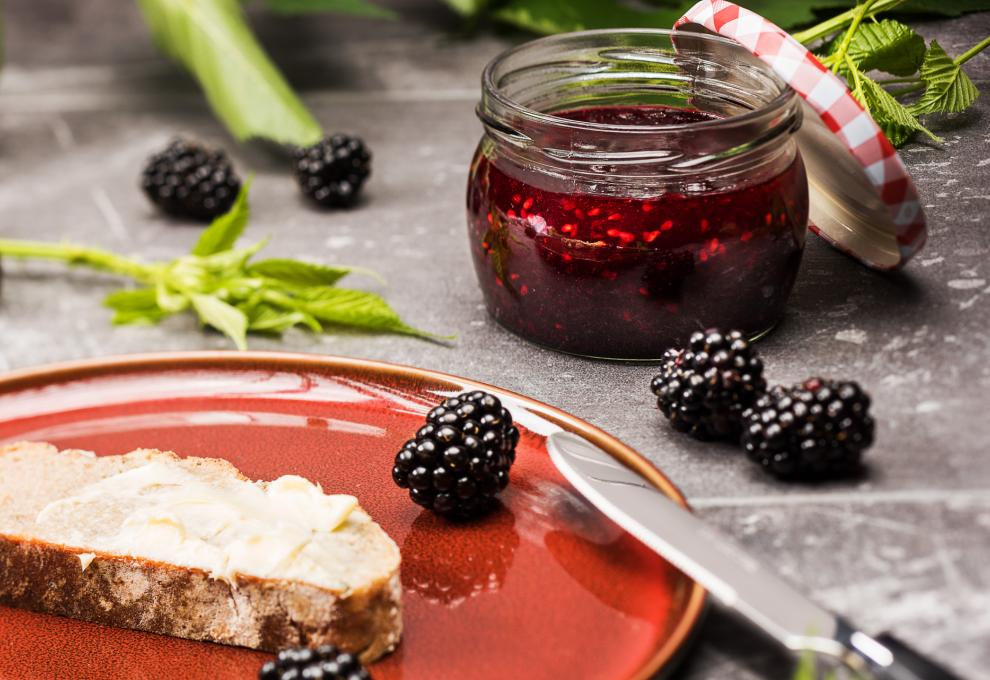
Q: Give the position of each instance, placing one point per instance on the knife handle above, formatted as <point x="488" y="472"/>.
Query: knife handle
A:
<point x="909" y="664"/>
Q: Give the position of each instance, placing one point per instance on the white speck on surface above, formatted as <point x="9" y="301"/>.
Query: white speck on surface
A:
<point x="967" y="284"/>
<point x="853" y="335"/>
<point x="477" y="322"/>
<point x="983" y="163"/>
<point x="966" y="304"/>
<point x="928" y="407"/>
<point x="338" y="242"/>
<point x="932" y="260"/>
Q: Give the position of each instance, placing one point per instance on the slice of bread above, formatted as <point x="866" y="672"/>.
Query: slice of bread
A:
<point x="94" y="538"/>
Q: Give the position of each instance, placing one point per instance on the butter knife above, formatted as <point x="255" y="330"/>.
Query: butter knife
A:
<point x="724" y="569"/>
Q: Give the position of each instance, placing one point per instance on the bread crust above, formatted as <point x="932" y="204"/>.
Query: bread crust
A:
<point x="266" y="614"/>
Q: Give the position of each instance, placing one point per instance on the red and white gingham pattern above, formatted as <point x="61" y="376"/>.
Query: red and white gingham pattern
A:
<point x="839" y="110"/>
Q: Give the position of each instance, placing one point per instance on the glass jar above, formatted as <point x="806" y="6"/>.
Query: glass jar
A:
<point x="633" y="186"/>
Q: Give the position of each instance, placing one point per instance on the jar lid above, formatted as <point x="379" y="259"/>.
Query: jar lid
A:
<point x="863" y="201"/>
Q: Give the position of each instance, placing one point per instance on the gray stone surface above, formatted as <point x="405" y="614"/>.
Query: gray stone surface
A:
<point x="85" y="98"/>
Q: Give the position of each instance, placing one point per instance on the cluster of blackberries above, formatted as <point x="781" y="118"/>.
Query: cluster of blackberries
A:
<point x="326" y="662"/>
<point x="460" y="459"/>
<point x="714" y="389"/>
<point x="192" y="181"/>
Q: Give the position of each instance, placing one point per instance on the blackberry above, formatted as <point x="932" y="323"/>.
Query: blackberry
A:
<point x="704" y="389"/>
<point x="326" y="662"/>
<point x="460" y="459"/>
<point x="332" y="171"/>
<point x="814" y="430"/>
<point x="191" y="181"/>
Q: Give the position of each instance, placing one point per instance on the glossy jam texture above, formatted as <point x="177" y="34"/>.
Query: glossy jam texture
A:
<point x="626" y="277"/>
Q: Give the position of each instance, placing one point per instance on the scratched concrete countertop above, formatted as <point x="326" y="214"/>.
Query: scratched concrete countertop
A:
<point x="84" y="98"/>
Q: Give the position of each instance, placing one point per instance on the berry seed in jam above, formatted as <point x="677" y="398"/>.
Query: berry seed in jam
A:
<point x="615" y="275"/>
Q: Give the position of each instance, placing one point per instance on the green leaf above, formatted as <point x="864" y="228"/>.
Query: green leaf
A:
<point x="552" y="16"/>
<point x="358" y="309"/>
<point x="169" y="300"/>
<point x="948" y="88"/>
<point x="213" y="41"/>
<point x="225" y="318"/>
<point x="893" y="118"/>
<point x="270" y="319"/>
<point x="298" y="273"/>
<point x="356" y="7"/>
<point x="224" y="231"/>
<point x="888" y="46"/>
<point x="135" y="306"/>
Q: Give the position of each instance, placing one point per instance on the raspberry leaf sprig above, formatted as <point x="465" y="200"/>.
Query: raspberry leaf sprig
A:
<point x="229" y="290"/>
<point x="855" y="43"/>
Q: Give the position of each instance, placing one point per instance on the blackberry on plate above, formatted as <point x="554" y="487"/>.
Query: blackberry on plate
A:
<point x="326" y="662"/>
<point x="814" y="430"/>
<point x="460" y="459"/>
<point x="704" y="389"/>
<point x="191" y="181"/>
<point x="332" y="171"/>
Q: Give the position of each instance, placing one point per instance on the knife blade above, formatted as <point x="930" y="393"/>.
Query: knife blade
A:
<point x="725" y="569"/>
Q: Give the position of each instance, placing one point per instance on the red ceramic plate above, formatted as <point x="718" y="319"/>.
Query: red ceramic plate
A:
<point x="546" y="587"/>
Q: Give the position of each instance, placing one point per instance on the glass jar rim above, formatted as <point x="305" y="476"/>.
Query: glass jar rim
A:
<point x="785" y="97"/>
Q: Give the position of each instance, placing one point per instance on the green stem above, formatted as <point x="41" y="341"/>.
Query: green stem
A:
<point x="840" y="21"/>
<point x="840" y="54"/>
<point x="972" y="51"/>
<point x="88" y="257"/>
<point x="857" y="83"/>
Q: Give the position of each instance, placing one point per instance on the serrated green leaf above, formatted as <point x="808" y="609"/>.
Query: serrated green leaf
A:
<point x="224" y="231"/>
<point x="225" y="318"/>
<point x="355" y="7"/>
<point x="888" y="46"/>
<point x="893" y="117"/>
<point x="213" y="41"/>
<point x="297" y="273"/>
<point x="948" y="88"/>
<point x="358" y="309"/>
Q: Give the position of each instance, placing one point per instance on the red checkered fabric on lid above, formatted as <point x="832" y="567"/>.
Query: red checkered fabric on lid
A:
<point x="839" y="110"/>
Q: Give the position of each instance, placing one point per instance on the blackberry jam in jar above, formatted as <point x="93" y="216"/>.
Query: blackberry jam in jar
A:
<point x="632" y="187"/>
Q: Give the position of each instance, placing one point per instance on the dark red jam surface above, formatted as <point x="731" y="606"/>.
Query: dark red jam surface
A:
<point x="623" y="277"/>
